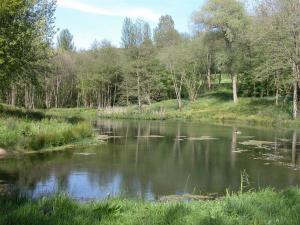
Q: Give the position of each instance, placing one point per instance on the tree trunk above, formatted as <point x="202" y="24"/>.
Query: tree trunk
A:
<point x="148" y="99"/>
<point x="177" y="87"/>
<point x="32" y="97"/>
<point x="234" y="88"/>
<point x="56" y="92"/>
<point x="295" y="100"/>
<point x="277" y="95"/>
<point x="115" y="96"/>
<point x="13" y="95"/>
<point x="209" y="72"/>
<point x="209" y="80"/>
<point x="138" y="90"/>
<point x="78" y="99"/>
<point x="26" y="97"/>
<point x="127" y="96"/>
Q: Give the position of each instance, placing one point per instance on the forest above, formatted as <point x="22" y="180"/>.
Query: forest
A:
<point x="253" y="49"/>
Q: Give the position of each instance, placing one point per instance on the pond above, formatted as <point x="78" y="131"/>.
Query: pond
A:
<point x="151" y="159"/>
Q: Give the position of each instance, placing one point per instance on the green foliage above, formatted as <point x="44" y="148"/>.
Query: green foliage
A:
<point x="65" y="41"/>
<point x="26" y="31"/>
<point x="165" y="34"/>
<point x="256" y="50"/>
<point x="262" y="207"/>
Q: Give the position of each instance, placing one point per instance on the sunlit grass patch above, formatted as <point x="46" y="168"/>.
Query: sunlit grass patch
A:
<point x="216" y="106"/>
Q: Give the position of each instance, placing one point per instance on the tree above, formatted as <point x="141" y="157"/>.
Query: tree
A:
<point x="128" y="34"/>
<point x="26" y="32"/>
<point x="269" y="67"/>
<point x="289" y="19"/>
<point x="139" y="61"/>
<point x="229" y="18"/>
<point x="170" y="59"/>
<point x="165" y="33"/>
<point x="65" y="41"/>
<point x="281" y="33"/>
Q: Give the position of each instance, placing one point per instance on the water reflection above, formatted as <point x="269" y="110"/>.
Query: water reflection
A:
<point x="150" y="159"/>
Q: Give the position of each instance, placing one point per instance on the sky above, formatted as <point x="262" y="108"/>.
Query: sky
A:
<point x="90" y="20"/>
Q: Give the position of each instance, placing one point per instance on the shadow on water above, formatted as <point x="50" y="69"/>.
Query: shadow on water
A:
<point x="150" y="159"/>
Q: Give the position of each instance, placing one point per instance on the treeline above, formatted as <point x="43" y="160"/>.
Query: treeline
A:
<point x="256" y="47"/>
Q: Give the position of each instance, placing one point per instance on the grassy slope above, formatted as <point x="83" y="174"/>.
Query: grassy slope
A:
<point x="35" y="130"/>
<point x="264" y="207"/>
<point x="216" y="106"/>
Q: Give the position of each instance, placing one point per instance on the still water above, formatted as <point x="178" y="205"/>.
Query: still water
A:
<point x="150" y="159"/>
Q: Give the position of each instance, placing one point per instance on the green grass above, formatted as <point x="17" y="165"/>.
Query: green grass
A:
<point x="22" y="130"/>
<point x="254" y="208"/>
<point x="215" y="106"/>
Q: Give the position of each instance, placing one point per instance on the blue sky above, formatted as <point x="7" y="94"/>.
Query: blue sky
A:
<point x="88" y="20"/>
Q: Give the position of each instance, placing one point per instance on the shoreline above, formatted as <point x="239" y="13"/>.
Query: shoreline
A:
<point x="262" y="207"/>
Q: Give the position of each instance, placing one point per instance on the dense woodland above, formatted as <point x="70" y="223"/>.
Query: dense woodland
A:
<point x="255" y="47"/>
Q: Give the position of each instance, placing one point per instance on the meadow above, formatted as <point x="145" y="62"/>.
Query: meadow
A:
<point x="215" y="106"/>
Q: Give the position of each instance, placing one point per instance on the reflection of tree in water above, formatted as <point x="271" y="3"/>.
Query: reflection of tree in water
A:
<point x="295" y="160"/>
<point x="142" y="164"/>
<point x="233" y="147"/>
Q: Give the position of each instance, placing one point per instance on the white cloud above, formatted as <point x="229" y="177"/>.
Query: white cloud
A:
<point x="133" y="13"/>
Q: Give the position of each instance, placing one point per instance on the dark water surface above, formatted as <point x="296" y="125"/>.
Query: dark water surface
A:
<point x="150" y="159"/>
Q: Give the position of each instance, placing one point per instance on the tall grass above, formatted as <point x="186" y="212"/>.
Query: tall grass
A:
<point x="264" y="207"/>
<point x="24" y="130"/>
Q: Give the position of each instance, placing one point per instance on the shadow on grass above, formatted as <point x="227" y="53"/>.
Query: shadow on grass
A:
<point x="224" y="95"/>
<point x="261" y="102"/>
<point x="7" y="111"/>
<point x="21" y="114"/>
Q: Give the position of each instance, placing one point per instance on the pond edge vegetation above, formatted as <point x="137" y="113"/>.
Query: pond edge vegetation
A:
<point x="263" y="207"/>
<point x="32" y="131"/>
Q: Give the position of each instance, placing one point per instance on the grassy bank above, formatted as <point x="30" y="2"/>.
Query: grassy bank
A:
<point x="264" y="207"/>
<point x="215" y="106"/>
<point x="22" y="130"/>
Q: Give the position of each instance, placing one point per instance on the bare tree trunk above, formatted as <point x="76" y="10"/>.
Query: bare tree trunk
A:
<point x="26" y="97"/>
<point x="277" y="96"/>
<point x="99" y="98"/>
<point x="47" y="94"/>
<point x="48" y="100"/>
<point x="209" y="72"/>
<point x="13" y="95"/>
<point x="127" y="95"/>
<point x="78" y="99"/>
<point x="85" y="100"/>
<point x="177" y="88"/>
<point x="139" y="94"/>
<point x="295" y="100"/>
<point x="148" y="99"/>
<point x="56" y="92"/>
<point x="32" y="97"/>
<point x="209" y="79"/>
<point x="234" y="88"/>
<point x="115" y="96"/>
